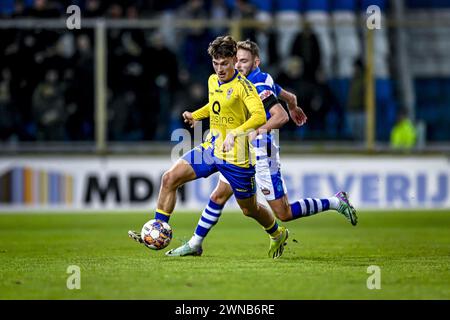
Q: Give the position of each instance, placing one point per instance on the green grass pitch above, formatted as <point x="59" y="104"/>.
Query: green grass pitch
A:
<point x="328" y="261"/>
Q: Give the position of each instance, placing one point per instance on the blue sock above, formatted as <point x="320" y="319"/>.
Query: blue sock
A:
<point x="209" y="218"/>
<point x="273" y="230"/>
<point x="162" y="215"/>
<point x="308" y="207"/>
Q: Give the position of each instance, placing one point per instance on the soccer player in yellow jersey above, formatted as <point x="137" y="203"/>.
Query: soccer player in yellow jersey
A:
<point x="268" y="166"/>
<point x="234" y="109"/>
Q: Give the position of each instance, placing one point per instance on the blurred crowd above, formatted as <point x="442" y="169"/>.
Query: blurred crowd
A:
<point x="47" y="76"/>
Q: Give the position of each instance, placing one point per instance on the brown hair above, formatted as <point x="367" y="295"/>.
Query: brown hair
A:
<point x="222" y="47"/>
<point x="249" y="46"/>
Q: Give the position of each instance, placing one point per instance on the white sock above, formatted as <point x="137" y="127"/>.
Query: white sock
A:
<point x="334" y="203"/>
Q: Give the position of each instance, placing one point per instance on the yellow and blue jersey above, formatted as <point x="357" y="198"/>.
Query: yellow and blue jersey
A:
<point x="234" y="106"/>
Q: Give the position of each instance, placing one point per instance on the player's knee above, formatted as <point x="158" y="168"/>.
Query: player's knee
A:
<point x="218" y="198"/>
<point x="169" y="180"/>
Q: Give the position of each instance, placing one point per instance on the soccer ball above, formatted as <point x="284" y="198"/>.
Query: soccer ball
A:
<point x="156" y="234"/>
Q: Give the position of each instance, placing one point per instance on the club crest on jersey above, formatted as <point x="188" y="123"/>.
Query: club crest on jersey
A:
<point x="229" y="92"/>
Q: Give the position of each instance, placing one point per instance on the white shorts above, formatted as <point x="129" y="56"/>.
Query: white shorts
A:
<point x="268" y="171"/>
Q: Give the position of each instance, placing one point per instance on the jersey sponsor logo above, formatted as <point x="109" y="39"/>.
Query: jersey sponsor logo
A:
<point x="265" y="94"/>
<point x="217" y="118"/>
<point x="216" y="107"/>
<point x="221" y="120"/>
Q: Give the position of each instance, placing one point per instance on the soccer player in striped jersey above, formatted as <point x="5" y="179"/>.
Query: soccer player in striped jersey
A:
<point x="268" y="168"/>
<point x="234" y="109"/>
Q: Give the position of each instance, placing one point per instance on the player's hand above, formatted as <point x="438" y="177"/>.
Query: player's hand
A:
<point x="252" y="135"/>
<point x="298" y="116"/>
<point x="228" y="144"/>
<point x="187" y="116"/>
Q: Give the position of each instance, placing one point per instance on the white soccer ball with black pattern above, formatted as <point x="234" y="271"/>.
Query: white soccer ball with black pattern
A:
<point x="156" y="234"/>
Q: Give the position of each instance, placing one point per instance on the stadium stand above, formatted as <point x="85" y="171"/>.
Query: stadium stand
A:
<point x="326" y="35"/>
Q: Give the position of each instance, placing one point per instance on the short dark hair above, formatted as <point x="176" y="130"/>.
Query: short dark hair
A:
<point x="222" y="47"/>
<point x="249" y="46"/>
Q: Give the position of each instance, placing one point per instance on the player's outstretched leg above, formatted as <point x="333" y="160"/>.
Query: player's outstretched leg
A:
<point x="180" y="173"/>
<point x="302" y="208"/>
<point x="345" y="207"/>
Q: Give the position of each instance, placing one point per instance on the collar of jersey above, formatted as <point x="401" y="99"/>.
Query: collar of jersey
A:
<point x="235" y="74"/>
<point x="253" y="74"/>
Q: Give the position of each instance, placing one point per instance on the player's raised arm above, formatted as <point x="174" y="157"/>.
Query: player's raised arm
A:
<point x="201" y="113"/>
<point x="296" y="113"/>
<point x="278" y="118"/>
<point x="191" y="118"/>
<point x="288" y="97"/>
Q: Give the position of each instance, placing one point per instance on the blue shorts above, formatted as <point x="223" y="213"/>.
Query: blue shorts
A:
<point x="204" y="163"/>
